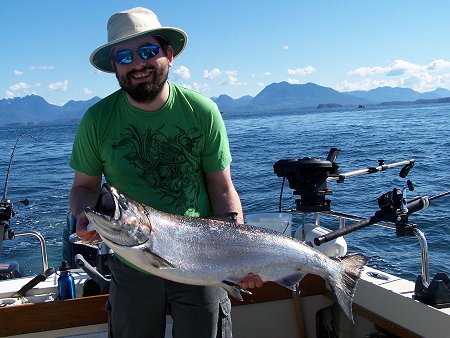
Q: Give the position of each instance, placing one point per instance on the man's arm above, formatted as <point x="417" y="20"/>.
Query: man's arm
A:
<point x="84" y="193"/>
<point x="224" y="198"/>
<point x="222" y="194"/>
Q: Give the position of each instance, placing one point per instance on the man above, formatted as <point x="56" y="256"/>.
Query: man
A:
<point x="165" y="146"/>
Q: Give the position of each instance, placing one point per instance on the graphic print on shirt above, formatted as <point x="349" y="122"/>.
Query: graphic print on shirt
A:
<point x="167" y="163"/>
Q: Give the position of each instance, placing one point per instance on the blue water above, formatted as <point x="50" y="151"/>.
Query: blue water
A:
<point x="41" y="173"/>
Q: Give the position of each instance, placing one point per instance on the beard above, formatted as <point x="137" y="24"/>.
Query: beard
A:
<point x="147" y="91"/>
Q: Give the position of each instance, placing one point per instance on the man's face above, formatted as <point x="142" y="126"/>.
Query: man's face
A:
<point x="143" y="79"/>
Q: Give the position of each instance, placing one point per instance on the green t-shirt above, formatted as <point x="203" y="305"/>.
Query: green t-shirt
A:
<point x="157" y="158"/>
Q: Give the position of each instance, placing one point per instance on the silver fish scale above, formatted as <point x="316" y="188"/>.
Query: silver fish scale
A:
<point x="220" y="250"/>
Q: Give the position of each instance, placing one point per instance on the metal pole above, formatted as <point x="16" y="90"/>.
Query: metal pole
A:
<point x="43" y="247"/>
<point x="424" y="250"/>
<point x="369" y="170"/>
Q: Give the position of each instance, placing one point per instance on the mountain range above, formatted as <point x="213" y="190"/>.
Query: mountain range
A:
<point x="275" y="97"/>
<point x="284" y="96"/>
<point x="35" y="109"/>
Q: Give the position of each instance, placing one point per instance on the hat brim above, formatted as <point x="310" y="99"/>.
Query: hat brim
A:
<point x="101" y="57"/>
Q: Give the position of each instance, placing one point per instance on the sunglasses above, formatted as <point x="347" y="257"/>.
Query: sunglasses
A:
<point x="126" y="56"/>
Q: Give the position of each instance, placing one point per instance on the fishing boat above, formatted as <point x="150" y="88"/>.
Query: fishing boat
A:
<point x="384" y="305"/>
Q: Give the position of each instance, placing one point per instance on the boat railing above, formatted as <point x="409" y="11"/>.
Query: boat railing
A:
<point x="435" y="292"/>
<point x="42" y="245"/>
<point x="342" y="217"/>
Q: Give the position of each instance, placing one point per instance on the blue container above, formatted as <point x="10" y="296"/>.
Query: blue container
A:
<point x="66" y="284"/>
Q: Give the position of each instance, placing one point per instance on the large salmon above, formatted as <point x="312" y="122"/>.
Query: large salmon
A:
<point x="202" y="251"/>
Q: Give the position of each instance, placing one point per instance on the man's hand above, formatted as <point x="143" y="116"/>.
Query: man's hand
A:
<point x="251" y="281"/>
<point x="82" y="232"/>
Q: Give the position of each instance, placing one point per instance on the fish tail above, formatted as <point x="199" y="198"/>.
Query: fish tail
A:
<point x="345" y="283"/>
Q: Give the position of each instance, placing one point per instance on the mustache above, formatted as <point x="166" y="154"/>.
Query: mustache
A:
<point x="146" y="68"/>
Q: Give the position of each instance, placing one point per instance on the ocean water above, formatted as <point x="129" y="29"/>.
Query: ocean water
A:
<point x="40" y="172"/>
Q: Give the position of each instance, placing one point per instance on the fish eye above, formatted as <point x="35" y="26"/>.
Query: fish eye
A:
<point x="123" y="201"/>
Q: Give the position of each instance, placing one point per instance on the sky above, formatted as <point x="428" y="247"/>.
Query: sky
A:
<point x="235" y="47"/>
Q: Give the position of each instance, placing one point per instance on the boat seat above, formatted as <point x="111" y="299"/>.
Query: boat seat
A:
<point x="10" y="270"/>
<point x="70" y="250"/>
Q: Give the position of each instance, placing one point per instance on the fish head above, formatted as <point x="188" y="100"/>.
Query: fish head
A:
<point x="119" y="219"/>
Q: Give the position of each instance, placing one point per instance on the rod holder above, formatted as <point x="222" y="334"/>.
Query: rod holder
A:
<point x="437" y="294"/>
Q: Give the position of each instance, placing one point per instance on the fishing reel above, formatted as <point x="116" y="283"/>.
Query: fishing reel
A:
<point x="308" y="178"/>
<point x="6" y="212"/>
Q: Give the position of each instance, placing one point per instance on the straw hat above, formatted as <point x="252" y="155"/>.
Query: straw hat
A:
<point x="135" y="23"/>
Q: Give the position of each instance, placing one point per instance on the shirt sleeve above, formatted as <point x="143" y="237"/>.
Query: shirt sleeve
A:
<point x="216" y="155"/>
<point x="85" y="151"/>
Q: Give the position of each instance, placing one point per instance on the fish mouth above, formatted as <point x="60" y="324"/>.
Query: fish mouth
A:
<point x="111" y="217"/>
<point x="107" y="206"/>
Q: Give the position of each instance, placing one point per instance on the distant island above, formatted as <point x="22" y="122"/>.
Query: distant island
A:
<point x="329" y="105"/>
<point x="276" y="97"/>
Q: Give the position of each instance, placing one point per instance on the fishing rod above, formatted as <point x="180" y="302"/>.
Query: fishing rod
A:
<point x="8" y="171"/>
<point x="407" y="166"/>
<point x="392" y="209"/>
<point x="395" y="209"/>
<point x="7" y="210"/>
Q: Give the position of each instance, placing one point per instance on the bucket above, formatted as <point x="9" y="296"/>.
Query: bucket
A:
<point x="307" y="233"/>
<point x="277" y="221"/>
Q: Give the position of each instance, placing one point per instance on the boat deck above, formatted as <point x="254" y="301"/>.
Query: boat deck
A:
<point x="384" y="305"/>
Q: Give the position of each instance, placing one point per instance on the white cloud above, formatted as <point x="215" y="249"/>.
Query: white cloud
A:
<point x="302" y="71"/>
<point x="267" y="73"/>
<point x="438" y="65"/>
<point x="232" y="79"/>
<point x="60" y="85"/>
<point x="87" y="91"/>
<point x="182" y="73"/>
<point x="366" y="84"/>
<point x="231" y="72"/>
<point x="397" y="68"/>
<point x="401" y="73"/>
<point x="367" y="71"/>
<point x="32" y="68"/>
<point x="214" y="73"/>
<point x="19" y="86"/>
<point x="400" y="67"/>
<point x="20" y="89"/>
<point x="18" y="73"/>
<point x="293" y="81"/>
<point x="285" y="47"/>
<point x="199" y="87"/>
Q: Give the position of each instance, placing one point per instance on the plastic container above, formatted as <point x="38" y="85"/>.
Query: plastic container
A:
<point x="66" y="284"/>
<point x="333" y="248"/>
<point x="277" y="221"/>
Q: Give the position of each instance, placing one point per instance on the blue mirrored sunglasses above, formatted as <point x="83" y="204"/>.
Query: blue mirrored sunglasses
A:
<point x="126" y="56"/>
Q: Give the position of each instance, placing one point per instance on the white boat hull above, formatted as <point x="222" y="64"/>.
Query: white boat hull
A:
<point x="272" y="311"/>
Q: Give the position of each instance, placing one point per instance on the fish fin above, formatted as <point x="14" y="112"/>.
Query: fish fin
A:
<point x="344" y="284"/>
<point x="234" y="289"/>
<point x="157" y="261"/>
<point x="290" y="281"/>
